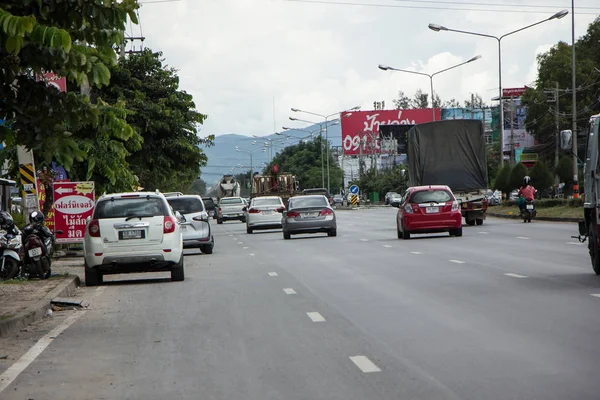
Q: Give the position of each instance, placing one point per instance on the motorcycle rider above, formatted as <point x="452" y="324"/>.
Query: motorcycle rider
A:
<point x="526" y="193"/>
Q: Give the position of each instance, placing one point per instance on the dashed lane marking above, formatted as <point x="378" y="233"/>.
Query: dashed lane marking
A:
<point x="315" y="316"/>
<point x="364" y="364"/>
<point x="273" y="274"/>
<point x="289" y="291"/>
<point x="515" y="275"/>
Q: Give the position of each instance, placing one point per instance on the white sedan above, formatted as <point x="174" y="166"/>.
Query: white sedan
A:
<point x="264" y="213"/>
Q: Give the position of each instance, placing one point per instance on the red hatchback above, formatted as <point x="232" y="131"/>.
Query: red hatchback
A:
<point x="428" y="209"/>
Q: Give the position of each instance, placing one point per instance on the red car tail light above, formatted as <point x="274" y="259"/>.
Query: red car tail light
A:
<point x="253" y="211"/>
<point x="292" y="214"/>
<point x="94" y="228"/>
<point x="169" y="224"/>
<point x="326" y="211"/>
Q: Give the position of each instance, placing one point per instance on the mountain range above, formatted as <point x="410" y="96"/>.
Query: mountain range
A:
<point x="223" y="156"/>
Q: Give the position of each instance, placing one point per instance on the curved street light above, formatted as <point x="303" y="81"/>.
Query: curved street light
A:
<point x="388" y="68"/>
<point x="441" y="28"/>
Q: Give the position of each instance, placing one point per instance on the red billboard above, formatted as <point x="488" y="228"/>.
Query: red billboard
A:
<point x="513" y="92"/>
<point x="73" y="204"/>
<point x="59" y="82"/>
<point x="363" y="127"/>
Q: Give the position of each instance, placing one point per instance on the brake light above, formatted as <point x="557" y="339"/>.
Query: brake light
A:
<point x="281" y="209"/>
<point x="408" y="208"/>
<point x="326" y="211"/>
<point x="455" y="206"/>
<point x="293" y="214"/>
<point x="94" y="228"/>
<point x="169" y="224"/>
<point x="253" y="211"/>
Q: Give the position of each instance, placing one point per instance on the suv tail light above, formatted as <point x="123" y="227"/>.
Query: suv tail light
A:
<point x="408" y="208"/>
<point x="169" y="224"/>
<point x="455" y="206"/>
<point x="253" y="211"/>
<point x="293" y="214"/>
<point x="94" y="228"/>
<point x="326" y="211"/>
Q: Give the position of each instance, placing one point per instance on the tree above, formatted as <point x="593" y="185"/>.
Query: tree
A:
<point x="452" y="103"/>
<point x="437" y="102"/>
<point x="475" y="102"/>
<point x="541" y="177"/>
<point x="170" y="157"/>
<point x="518" y="172"/>
<point x="402" y="102"/>
<point x="502" y="182"/>
<point x="197" y="187"/>
<point x="73" y="39"/>
<point x="493" y="159"/>
<point x="420" y="100"/>
<point x="304" y="161"/>
<point x="564" y="170"/>
<point x="393" y="180"/>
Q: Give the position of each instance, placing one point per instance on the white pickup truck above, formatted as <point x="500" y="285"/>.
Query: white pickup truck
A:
<point x="231" y="208"/>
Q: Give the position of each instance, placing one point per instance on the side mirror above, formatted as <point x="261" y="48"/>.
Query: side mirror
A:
<point x="179" y="216"/>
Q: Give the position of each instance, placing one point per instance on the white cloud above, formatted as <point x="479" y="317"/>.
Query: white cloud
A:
<point x="235" y="56"/>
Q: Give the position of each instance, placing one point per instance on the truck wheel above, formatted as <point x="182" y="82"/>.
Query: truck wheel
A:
<point x="479" y="221"/>
<point x="594" y="250"/>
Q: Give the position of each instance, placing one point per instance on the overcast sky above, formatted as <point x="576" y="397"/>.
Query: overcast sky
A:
<point x="238" y="57"/>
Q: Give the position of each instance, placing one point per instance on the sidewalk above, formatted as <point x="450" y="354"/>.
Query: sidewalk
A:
<point x="24" y="302"/>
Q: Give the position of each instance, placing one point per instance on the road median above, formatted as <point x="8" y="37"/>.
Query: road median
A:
<point x="554" y="214"/>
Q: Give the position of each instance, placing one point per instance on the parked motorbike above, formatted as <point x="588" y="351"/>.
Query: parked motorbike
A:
<point x="38" y="242"/>
<point x="10" y="258"/>
<point x="528" y="211"/>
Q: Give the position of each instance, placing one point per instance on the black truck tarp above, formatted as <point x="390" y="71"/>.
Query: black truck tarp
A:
<point x="450" y="152"/>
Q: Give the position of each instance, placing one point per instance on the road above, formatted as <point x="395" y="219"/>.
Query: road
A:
<point x="505" y="312"/>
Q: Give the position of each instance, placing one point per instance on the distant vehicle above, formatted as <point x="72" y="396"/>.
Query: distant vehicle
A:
<point x="338" y="200"/>
<point x="428" y="209"/>
<point x="494" y="197"/>
<point x="451" y="153"/>
<point x="309" y="214"/>
<point x="195" y="227"/>
<point x="132" y="232"/>
<point x="395" y="200"/>
<point x="388" y="197"/>
<point x="231" y="208"/>
<point x="228" y="187"/>
<point x="264" y="213"/>
<point x="349" y="199"/>
<point x="321" y="191"/>
<point x="211" y="207"/>
<point x="274" y="184"/>
<point x="514" y="195"/>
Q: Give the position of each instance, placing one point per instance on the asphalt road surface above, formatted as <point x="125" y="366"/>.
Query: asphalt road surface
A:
<point x="508" y="311"/>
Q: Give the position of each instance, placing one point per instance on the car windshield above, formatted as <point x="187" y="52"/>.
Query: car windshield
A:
<point x="232" y="200"/>
<point x="431" y="196"/>
<point x="300" y="202"/>
<point x="208" y="202"/>
<point x="266" y="202"/>
<point x="186" y="205"/>
<point x="130" y="207"/>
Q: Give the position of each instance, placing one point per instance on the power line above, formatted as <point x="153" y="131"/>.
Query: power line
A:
<point x="342" y="3"/>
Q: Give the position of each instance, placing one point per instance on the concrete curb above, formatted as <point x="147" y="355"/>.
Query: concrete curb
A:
<point x="38" y="310"/>
<point x="550" y="219"/>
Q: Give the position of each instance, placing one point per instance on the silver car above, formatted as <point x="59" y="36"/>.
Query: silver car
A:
<point x="195" y="227"/>
<point x="264" y="213"/>
<point x="308" y="214"/>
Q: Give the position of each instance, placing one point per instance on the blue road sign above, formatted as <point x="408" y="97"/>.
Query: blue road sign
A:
<point x="354" y="189"/>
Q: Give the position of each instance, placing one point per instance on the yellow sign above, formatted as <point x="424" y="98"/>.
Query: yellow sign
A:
<point x="84" y="187"/>
<point x="354" y="199"/>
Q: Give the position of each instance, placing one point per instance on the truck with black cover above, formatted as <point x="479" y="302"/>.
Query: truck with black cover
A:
<point x="452" y="153"/>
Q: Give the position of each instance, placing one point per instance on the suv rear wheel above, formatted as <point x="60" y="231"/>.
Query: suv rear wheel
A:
<point x="207" y="248"/>
<point x="177" y="273"/>
<point x="93" y="276"/>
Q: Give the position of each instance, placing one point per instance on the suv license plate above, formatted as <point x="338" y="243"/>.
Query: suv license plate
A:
<point x="37" y="251"/>
<point x="432" y="210"/>
<point x="137" y="234"/>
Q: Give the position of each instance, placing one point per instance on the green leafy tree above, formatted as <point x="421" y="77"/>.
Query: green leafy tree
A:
<point x="452" y="103"/>
<point x="420" y="100"/>
<point x="475" y="102"/>
<point x="517" y="173"/>
<point x="74" y="39"/>
<point x="541" y="177"/>
<point x="493" y="160"/>
<point x="170" y="157"/>
<point x="197" y="187"/>
<point x="502" y="182"/>
<point x="392" y="180"/>
<point x="402" y="102"/>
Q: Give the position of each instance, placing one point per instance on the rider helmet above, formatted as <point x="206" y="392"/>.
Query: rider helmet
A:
<point x="526" y="180"/>
<point x="36" y="217"/>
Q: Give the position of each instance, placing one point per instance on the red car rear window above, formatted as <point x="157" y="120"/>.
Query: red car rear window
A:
<point x="431" y="196"/>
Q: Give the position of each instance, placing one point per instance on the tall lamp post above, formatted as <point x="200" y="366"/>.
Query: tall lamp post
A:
<point x="250" y="152"/>
<point x="388" y="68"/>
<point x="438" y="28"/>
<point x="326" y="118"/>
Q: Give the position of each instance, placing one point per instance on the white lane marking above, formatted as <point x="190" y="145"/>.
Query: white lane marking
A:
<point x="457" y="261"/>
<point x="522" y="237"/>
<point x="26" y="359"/>
<point x="364" y="240"/>
<point x="364" y="364"/>
<point x="415" y="252"/>
<point x="231" y="235"/>
<point x="576" y="243"/>
<point x="387" y="245"/>
<point x="251" y="254"/>
<point x="483" y="233"/>
<point x="289" y="291"/>
<point x="273" y="274"/>
<point x="596" y="294"/>
<point x="234" y="238"/>
<point x="245" y="247"/>
<point x="515" y="275"/>
<point x="315" y="316"/>
<point x="240" y="242"/>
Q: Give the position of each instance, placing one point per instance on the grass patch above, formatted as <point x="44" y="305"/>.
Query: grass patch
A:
<point x="15" y="281"/>
<point x="554" y="212"/>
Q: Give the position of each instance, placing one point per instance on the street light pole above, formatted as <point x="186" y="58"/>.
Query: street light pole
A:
<point x="574" y="101"/>
<point x="388" y="68"/>
<point x="438" y="28"/>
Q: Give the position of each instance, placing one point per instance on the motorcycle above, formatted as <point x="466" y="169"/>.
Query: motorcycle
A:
<point x="528" y="211"/>
<point x="37" y="255"/>
<point x="10" y="259"/>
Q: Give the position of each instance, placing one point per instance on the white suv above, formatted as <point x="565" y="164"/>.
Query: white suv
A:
<point x="132" y="232"/>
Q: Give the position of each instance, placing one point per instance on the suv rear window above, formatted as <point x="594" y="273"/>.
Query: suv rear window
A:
<point x="431" y="196"/>
<point x="186" y="205"/>
<point x="130" y="207"/>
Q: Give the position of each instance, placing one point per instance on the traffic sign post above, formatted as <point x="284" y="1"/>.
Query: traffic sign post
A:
<point x="354" y="200"/>
<point x="354" y="189"/>
<point x="73" y="203"/>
